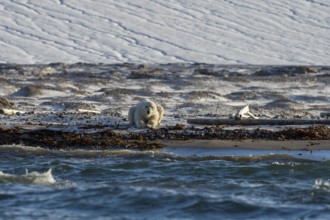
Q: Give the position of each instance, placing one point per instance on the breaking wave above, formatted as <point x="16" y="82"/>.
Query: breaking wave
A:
<point x="322" y="184"/>
<point x="34" y="177"/>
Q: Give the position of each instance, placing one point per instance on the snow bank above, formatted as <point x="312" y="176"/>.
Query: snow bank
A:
<point x="155" y="31"/>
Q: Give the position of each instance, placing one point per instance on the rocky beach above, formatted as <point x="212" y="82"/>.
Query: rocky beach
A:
<point x="85" y="105"/>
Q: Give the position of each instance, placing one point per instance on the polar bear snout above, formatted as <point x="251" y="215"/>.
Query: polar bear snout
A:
<point x="149" y="109"/>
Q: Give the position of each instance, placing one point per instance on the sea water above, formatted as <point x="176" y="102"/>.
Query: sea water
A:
<point x="37" y="183"/>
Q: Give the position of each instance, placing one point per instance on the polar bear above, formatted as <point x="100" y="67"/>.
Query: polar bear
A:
<point x="146" y="114"/>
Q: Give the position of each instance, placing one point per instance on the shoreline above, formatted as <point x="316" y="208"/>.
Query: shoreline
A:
<point x="232" y="150"/>
<point x="249" y="144"/>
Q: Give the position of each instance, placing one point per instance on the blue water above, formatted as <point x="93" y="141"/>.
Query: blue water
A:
<point x="164" y="184"/>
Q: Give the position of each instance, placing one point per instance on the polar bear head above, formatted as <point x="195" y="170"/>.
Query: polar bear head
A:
<point x="148" y="108"/>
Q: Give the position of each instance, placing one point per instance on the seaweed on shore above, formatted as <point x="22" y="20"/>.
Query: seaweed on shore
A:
<point x="148" y="139"/>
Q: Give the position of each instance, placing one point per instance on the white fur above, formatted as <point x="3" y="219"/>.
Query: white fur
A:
<point x="146" y="114"/>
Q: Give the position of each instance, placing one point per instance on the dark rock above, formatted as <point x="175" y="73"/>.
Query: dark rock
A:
<point x="146" y="74"/>
<point x="211" y="72"/>
<point x="242" y="95"/>
<point x="283" y="104"/>
<point x="121" y="93"/>
<point x="202" y="94"/>
<point x="285" y="71"/>
<point x="29" y="90"/>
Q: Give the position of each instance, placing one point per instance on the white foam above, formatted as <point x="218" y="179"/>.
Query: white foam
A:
<point x="292" y="164"/>
<point x="322" y="184"/>
<point x="34" y="177"/>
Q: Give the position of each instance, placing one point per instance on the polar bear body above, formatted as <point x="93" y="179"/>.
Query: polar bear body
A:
<point x="146" y="114"/>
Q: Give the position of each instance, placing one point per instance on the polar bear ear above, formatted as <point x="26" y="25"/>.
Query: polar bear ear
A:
<point x="160" y="109"/>
<point x="147" y="101"/>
